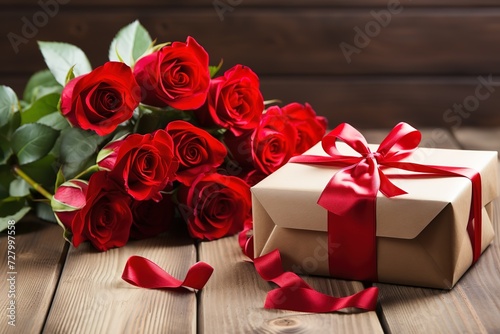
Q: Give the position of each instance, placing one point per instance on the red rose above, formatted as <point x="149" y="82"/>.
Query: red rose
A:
<point x="176" y="76"/>
<point x="68" y="199"/>
<point x="106" y="218"/>
<point x="215" y="206"/>
<point x="310" y="128"/>
<point x="268" y="147"/>
<point x="273" y="141"/>
<point x="197" y="151"/>
<point x="240" y="148"/>
<point x="234" y="101"/>
<point x="101" y="99"/>
<point x="253" y="177"/>
<point x="151" y="218"/>
<point x="145" y="164"/>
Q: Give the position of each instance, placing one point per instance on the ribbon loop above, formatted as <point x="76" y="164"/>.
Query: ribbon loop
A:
<point x="401" y="141"/>
<point x="144" y="273"/>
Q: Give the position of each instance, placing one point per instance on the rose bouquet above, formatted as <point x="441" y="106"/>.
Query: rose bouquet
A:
<point x="153" y="136"/>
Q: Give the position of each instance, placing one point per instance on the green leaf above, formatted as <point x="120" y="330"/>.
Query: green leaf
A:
<point x="5" y="151"/>
<point x="31" y="142"/>
<point x="41" y="107"/>
<point x="78" y="149"/>
<point x="214" y="69"/>
<point x="130" y="44"/>
<point x="44" y="211"/>
<point x="61" y="57"/>
<point x="6" y="132"/>
<point x="6" y="177"/>
<point x="19" y="188"/>
<point x="55" y="120"/>
<point x="39" y="82"/>
<point x="9" y="104"/>
<point x="12" y="209"/>
<point x="43" y="171"/>
<point x="60" y="179"/>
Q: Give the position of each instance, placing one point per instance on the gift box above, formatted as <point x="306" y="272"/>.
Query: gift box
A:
<point x="422" y="238"/>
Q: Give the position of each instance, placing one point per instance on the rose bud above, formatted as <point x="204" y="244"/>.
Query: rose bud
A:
<point x="106" y="158"/>
<point x="102" y="99"/>
<point x="177" y="75"/>
<point x="68" y="199"/>
<point x="215" y="206"/>
<point x="197" y="151"/>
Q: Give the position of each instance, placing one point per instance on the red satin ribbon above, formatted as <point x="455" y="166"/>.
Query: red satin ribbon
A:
<point x="294" y="293"/>
<point x="350" y="195"/>
<point x="144" y="273"/>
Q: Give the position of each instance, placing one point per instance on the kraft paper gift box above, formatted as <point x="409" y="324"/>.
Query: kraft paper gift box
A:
<point x="421" y="237"/>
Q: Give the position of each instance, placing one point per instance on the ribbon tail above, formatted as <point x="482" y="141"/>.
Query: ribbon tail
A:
<point x="388" y="188"/>
<point x="296" y="295"/>
<point x="308" y="300"/>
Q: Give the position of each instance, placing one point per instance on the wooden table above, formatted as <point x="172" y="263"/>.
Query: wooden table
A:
<point x="60" y="289"/>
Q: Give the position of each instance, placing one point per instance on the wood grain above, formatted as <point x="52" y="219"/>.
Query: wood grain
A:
<point x="233" y="300"/>
<point x="383" y="101"/>
<point x="415" y="69"/>
<point x="378" y="102"/>
<point x="92" y="297"/>
<point x="261" y="3"/>
<point x="273" y="41"/>
<point x="431" y="137"/>
<point x="471" y="306"/>
<point x="39" y="251"/>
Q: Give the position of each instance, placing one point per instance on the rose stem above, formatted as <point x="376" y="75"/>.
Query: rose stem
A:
<point x="32" y="182"/>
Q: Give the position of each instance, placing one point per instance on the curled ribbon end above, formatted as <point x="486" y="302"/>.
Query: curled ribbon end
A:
<point x="308" y="300"/>
<point x="198" y="275"/>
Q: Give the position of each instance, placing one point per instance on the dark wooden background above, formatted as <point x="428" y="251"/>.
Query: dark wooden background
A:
<point x="429" y="57"/>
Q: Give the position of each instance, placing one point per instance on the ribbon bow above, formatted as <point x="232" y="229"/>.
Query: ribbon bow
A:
<point x="350" y="195"/>
<point x="362" y="177"/>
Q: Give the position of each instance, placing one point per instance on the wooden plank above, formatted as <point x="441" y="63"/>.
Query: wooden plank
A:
<point x="431" y="137"/>
<point x="375" y="102"/>
<point x="295" y="41"/>
<point x="381" y="102"/>
<point x="233" y="299"/>
<point x="39" y="257"/>
<point x="471" y="307"/>
<point x="260" y="3"/>
<point x="92" y="297"/>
